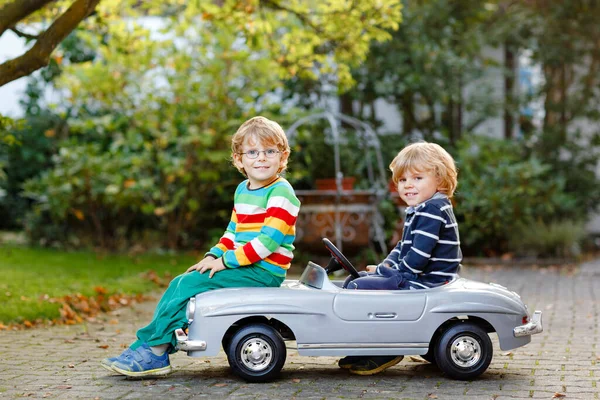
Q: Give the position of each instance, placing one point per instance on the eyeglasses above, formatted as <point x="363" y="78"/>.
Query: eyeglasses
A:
<point x="253" y="154"/>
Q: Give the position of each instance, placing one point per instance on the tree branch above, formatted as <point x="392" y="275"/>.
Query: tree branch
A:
<point x="39" y="55"/>
<point x="22" y="34"/>
<point x="302" y="17"/>
<point x="14" y="12"/>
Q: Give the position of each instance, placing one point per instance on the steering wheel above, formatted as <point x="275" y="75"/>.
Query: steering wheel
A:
<point x="340" y="258"/>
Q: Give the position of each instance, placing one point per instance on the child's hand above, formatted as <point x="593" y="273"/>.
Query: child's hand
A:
<point x="199" y="264"/>
<point x="371" y="268"/>
<point x="209" y="263"/>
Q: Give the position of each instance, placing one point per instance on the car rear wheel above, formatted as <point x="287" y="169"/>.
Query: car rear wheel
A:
<point x="464" y="351"/>
<point x="256" y="353"/>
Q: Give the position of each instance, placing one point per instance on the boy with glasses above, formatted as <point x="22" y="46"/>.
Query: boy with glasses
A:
<point x="255" y="250"/>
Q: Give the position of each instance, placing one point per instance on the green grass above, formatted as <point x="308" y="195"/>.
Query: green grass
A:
<point x="28" y="274"/>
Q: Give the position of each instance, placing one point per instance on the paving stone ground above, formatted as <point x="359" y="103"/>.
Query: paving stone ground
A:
<point x="62" y="362"/>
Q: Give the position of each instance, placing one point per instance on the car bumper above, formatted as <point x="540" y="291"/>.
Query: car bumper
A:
<point x="184" y="344"/>
<point x="532" y="327"/>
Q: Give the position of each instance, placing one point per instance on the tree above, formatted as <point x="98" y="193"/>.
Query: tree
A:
<point x="38" y="56"/>
<point x="149" y="118"/>
<point x="425" y="70"/>
<point x="301" y="35"/>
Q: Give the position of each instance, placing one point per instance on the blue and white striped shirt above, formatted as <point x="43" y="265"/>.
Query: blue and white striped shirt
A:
<point x="429" y="253"/>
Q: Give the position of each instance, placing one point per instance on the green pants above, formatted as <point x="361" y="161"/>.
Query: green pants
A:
<point x="169" y="314"/>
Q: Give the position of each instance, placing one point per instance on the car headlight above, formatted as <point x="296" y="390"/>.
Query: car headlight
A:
<point x="190" y="310"/>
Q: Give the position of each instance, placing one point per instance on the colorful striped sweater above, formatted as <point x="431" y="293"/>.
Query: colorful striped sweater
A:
<point x="429" y="253"/>
<point x="262" y="228"/>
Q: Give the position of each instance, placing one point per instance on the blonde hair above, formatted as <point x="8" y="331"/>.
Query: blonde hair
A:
<point x="265" y="131"/>
<point x="427" y="157"/>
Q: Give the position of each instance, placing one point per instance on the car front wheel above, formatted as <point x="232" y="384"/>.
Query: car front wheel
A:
<point x="464" y="351"/>
<point x="256" y="353"/>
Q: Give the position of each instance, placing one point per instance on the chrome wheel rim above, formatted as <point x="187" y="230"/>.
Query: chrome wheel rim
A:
<point x="465" y="351"/>
<point x="256" y="354"/>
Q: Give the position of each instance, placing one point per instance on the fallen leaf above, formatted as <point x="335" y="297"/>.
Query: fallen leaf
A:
<point x="103" y="346"/>
<point x="432" y="396"/>
<point x="71" y="366"/>
<point x="220" y="385"/>
<point x="508" y="353"/>
<point x="558" y="395"/>
<point x="296" y="380"/>
<point x="64" y="387"/>
<point x="69" y="341"/>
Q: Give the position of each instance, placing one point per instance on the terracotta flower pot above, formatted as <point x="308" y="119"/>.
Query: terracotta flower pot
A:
<point x="330" y="184"/>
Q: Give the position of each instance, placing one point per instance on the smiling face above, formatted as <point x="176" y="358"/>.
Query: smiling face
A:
<point x="414" y="187"/>
<point x="262" y="169"/>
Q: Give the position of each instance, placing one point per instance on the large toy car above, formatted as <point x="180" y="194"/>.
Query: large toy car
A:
<point x="447" y="325"/>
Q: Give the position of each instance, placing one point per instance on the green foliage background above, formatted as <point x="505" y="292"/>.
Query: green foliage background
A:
<point x="137" y="150"/>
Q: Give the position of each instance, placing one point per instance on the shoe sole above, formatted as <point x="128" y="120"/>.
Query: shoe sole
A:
<point x="153" y="372"/>
<point x="107" y="367"/>
<point x="377" y="370"/>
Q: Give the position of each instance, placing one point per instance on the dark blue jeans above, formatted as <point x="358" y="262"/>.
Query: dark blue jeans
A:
<point x="390" y="279"/>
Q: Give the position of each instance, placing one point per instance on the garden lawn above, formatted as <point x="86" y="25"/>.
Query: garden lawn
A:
<point x="30" y="275"/>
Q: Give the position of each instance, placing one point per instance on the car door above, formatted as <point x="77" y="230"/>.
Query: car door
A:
<point x="391" y="315"/>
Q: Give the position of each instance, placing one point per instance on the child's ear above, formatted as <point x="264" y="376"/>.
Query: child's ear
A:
<point x="284" y="157"/>
<point x="237" y="160"/>
<point x="439" y="184"/>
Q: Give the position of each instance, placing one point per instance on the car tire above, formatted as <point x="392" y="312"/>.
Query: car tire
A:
<point x="464" y="351"/>
<point x="256" y="353"/>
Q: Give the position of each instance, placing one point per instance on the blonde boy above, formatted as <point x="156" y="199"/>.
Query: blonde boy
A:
<point x="255" y="250"/>
<point x="429" y="253"/>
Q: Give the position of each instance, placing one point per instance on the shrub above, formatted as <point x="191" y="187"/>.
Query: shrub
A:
<point x="500" y="189"/>
<point x="554" y="239"/>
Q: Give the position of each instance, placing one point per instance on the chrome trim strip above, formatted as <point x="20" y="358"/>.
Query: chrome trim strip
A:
<point x="361" y="346"/>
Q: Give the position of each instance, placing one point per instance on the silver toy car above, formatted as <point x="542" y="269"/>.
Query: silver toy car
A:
<point x="447" y="325"/>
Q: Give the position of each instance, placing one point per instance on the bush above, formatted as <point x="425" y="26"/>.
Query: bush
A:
<point x="554" y="239"/>
<point x="24" y="159"/>
<point x="501" y="189"/>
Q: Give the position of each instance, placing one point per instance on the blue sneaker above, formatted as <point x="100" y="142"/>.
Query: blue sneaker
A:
<point x="143" y="362"/>
<point x="107" y="362"/>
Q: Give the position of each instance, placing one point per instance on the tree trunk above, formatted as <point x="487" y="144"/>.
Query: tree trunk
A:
<point x="509" y="87"/>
